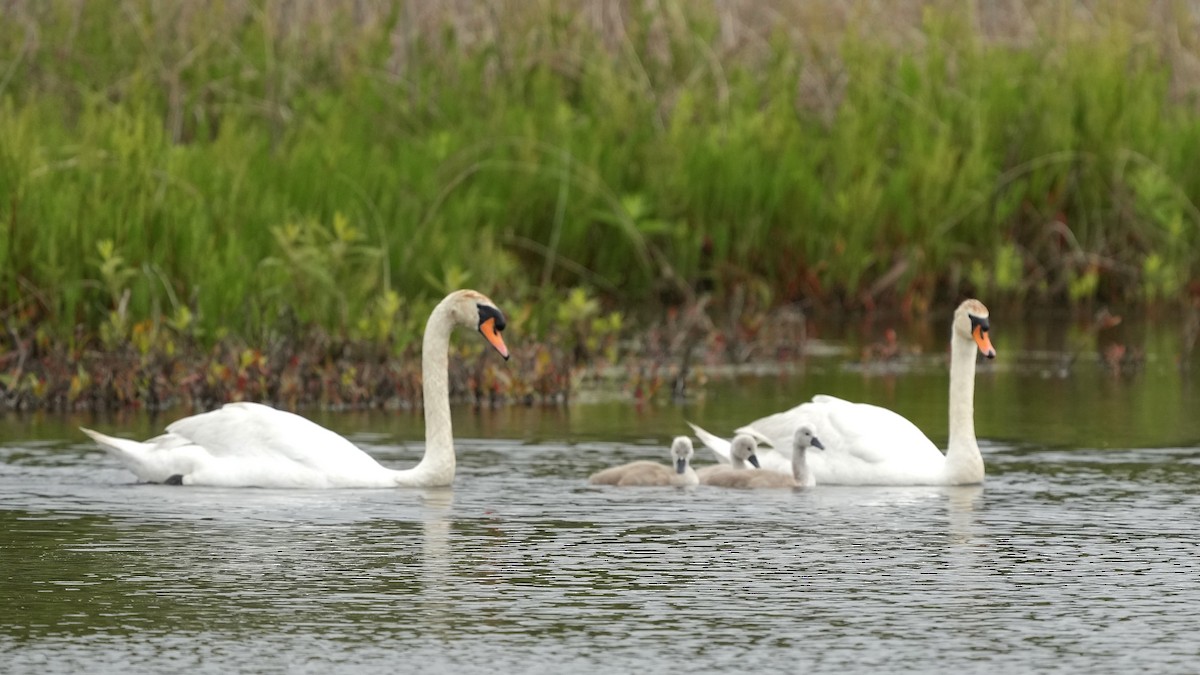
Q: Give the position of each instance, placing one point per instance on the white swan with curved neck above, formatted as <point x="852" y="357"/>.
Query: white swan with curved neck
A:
<point x="254" y="445"/>
<point x="869" y="445"/>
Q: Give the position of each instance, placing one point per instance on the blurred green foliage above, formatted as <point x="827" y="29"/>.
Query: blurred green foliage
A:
<point x="344" y="164"/>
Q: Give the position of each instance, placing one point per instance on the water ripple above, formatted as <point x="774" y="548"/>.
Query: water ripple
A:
<point x="1066" y="560"/>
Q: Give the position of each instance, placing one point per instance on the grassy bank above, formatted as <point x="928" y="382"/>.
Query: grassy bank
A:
<point x="195" y="173"/>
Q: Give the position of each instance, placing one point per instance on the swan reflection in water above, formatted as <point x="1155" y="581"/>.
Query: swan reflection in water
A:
<point x="436" y="572"/>
<point x="893" y="508"/>
<point x="359" y="556"/>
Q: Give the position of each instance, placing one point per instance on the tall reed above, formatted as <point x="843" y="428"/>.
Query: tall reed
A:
<point x="238" y="166"/>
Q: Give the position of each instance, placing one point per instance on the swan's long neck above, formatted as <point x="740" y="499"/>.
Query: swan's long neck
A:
<point x="964" y="463"/>
<point x="437" y="466"/>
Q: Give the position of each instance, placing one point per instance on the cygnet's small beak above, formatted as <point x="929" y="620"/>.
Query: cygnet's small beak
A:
<point x="680" y="465"/>
<point x="816" y="443"/>
<point x="753" y="459"/>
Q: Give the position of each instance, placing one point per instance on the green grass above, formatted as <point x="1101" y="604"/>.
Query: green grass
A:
<point x="230" y="168"/>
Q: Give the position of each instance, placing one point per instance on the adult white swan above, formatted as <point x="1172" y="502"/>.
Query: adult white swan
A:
<point x="254" y="445"/>
<point x="869" y="445"/>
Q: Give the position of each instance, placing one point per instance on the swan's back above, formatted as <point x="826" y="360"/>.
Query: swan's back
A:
<point x="869" y="432"/>
<point x="248" y="430"/>
<point x="864" y="444"/>
<point x="249" y="444"/>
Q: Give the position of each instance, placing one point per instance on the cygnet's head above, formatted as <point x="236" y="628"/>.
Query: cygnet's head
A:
<point x="681" y="453"/>
<point x="743" y="448"/>
<point x="805" y="438"/>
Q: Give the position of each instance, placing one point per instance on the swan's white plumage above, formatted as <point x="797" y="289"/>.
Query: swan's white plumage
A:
<point x="249" y="444"/>
<point x="254" y="445"/>
<point x="870" y="445"/>
<point x="864" y="444"/>
<point x="719" y="446"/>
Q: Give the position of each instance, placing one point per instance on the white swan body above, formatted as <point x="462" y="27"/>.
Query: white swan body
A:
<point x="869" y="445"/>
<point x="254" y="445"/>
<point x="742" y="458"/>
<point x="647" y="474"/>
<point x="800" y="476"/>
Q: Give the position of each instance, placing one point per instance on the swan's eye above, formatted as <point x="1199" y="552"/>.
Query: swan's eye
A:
<point x="978" y="322"/>
<point x="488" y="312"/>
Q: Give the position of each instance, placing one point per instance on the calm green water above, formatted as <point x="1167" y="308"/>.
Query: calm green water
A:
<point x="1079" y="553"/>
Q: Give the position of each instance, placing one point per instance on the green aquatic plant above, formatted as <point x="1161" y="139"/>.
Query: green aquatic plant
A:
<point x="325" y="274"/>
<point x="1173" y="217"/>
<point x="256" y="168"/>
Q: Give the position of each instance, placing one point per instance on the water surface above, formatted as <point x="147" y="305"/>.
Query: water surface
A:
<point x="1078" y="554"/>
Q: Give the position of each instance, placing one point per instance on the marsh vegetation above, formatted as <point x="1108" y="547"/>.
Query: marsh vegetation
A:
<point x="223" y="188"/>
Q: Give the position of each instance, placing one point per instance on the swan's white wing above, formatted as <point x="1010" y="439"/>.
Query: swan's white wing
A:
<point x="865" y="432"/>
<point x="257" y="434"/>
<point x="778" y="427"/>
<point x="156" y="460"/>
<point x="248" y="444"/>
<point x="718" y="445"/>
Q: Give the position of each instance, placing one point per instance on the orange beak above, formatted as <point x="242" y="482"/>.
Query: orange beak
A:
<point x="984" y="342"/>
<point x="488" y="329"/>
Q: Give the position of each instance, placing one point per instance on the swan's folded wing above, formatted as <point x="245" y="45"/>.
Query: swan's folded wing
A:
<point x="718" y="445"/>
<point x="777" y="429"/>
<point x="876" y="435"/>
<point x="252" y="430"/>
<point x="867" y="432"/>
